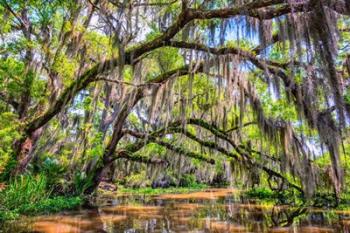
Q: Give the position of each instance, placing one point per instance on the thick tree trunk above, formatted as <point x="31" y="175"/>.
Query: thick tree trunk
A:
<point x="25" y="151"/>
<point x="126" y="107"/>
<point x="97" y="177"/>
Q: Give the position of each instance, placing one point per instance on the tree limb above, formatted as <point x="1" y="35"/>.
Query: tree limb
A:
<point x="187" y="15"/>
<point x="170" y="146"/>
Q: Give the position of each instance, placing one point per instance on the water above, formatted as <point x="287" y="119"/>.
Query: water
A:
<point x="213" y="210"/>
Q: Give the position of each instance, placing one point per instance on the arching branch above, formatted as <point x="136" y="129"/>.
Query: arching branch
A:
<point x="187" y="15"/>
<point x="178" y="149"/>
<point x="245" y="160"/>
<point x="140" y="159"/>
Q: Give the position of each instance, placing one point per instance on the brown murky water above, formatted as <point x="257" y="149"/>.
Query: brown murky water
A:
<point x="214" y="210"/>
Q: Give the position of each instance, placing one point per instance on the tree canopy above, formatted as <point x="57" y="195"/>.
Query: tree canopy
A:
<point x="261" y="86"/>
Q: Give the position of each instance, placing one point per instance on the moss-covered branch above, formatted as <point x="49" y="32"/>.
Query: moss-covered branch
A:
<point x="131" y="54"/>
<point x="139" y="158"/>
<point x="242" y="155"/>
<point x="246" y="159"/>
<point x="178" y="149"/>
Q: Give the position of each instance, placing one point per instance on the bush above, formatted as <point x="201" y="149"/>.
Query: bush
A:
<point x="187" y="180"/>
<point x="81" y="183"/>
<point x="54" y="172"/>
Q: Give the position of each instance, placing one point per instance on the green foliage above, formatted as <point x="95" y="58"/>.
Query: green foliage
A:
<point x="153" y="149"/>
<point x="11" y="76"/>
<point x="347" y="96"/>
<point x="324" y="200"/>
<point x="200" y="90"/>
<point x="280" y="109"/>
<point x="81" y="183"/>
<point x="284" y="197"/>
<point x="277" y="108"/>
<point x="134" y="120"/>
<point x="54" y="172"/>
<point x="187" y="180"/>
<point x="154" y="33"/>
<point x="280" y="53"/>
<point x="24" y="190"/>
<point x="56" y="26"/>
<point x="242" y="44"/>
<point x="165" y="59"/>
<point x="46" y="206"/>
<point x="98" y="45"/>
<point x="65" y="67"/>
<point x="51" y="205"/>
<point x="30" y="195"/>
<point x="137" y="180"/>
<point x="260" y="193"/>
<point x="157" y="191"/>
<point x="8" y="134"/>
<point x="96" y="150"/>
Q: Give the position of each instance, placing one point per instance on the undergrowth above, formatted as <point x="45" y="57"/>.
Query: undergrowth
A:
<point x="157" y="191"/>
<point x="29" y="195"/>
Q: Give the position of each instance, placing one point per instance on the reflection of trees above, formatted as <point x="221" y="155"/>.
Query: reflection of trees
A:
<point x="175" y="215"/>
<point x="284" y="217"/>
<point x="253" y="215"/>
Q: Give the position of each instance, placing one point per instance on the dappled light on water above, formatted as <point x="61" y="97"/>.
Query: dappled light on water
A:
<point x="214" y="211"/>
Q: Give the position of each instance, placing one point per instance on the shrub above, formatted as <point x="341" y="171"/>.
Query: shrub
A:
<point x="187" y="180"/>
<point x="81" y="183"/>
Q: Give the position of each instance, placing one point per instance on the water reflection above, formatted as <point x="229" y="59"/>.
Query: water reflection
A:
<point x="215" y="210"/>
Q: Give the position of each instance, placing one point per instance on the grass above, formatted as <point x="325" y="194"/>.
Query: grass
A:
<point x="28" y="195"/>
<point x="158" y="191"/>
<point x="51" y="205"/>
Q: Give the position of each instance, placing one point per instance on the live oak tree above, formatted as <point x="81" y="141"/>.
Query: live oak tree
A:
<point x="103" y="79"/>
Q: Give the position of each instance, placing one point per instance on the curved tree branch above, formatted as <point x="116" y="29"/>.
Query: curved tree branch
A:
<point x="246" y="160"/>
<point x="187" y="15"/>
<point x="170" y="146"/>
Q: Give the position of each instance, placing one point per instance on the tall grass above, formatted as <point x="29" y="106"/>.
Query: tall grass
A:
<point x="24" y="190"/>
<point x="30" y="195"/>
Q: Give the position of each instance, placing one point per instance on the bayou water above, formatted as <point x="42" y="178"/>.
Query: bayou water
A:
<point x="212" y="210"/>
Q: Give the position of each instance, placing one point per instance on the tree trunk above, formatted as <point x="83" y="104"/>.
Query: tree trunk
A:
<point x="97" y="177"/>
<point x="127" y="105"/>
<point x="25" y="151"/>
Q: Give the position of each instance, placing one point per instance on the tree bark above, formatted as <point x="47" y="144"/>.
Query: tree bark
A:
<point x="25" y="151"/>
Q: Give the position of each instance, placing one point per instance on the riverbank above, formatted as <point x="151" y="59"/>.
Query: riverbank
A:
<point x="28" y="197"/>
<point x="157" y="191"/>
<point x="206" y="210"/>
